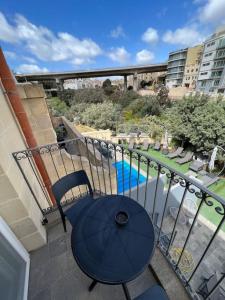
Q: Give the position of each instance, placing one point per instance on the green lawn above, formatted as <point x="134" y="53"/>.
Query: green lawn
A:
<point x="218" y="188"/>
<point x="170" y="162"/>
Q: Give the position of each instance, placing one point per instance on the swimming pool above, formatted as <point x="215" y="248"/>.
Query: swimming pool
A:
<point x="130" y="180"/>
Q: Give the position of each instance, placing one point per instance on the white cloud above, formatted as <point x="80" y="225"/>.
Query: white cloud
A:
<point x="44" y="44"/>
<point x="150" y="36"/>
<point x="117" y="32"/>
<point x="144" y="56"/>
<point x="7" y="32"/>
<point x="26" y="68"/>
<point x="31" y="60"/>
<point x="213" y="11"/>
<point x="10" y="54"/>
<point x="185" y="36"/>
<point x="119" y="54"/>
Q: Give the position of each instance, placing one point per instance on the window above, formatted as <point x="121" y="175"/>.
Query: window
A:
<point x="210" y="44"/>
<point x="208" y="54"/>
<point x="216" y="82"/>
<point x="206" y="64"/>
<point x="219" y="63"/>
<point x="192" y="70"/>
<point x="216" y="73"/>
<point x="187" y="71"/>
<point x="203" y="83"/>
<point x="196" y="70"/>
<point x="203" y="73"/>
<point x="221" y="43"/>
<point x="220" y="53"/>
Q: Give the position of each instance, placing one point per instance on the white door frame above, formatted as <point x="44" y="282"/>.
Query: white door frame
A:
<point x="19" y="248"/>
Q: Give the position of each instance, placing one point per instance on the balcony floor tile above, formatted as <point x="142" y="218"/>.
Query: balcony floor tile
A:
<point x="55" y="275"/>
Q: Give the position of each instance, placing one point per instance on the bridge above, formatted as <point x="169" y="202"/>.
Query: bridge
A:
<point x="59" y="77"/>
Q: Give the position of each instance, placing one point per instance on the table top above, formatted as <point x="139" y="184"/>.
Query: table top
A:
<point x="108" y="251"/>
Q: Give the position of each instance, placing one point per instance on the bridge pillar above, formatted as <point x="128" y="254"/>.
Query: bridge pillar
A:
<point x="135" y="81"/>
<point x="125" y="83"/>
<point x="59" y="84"/>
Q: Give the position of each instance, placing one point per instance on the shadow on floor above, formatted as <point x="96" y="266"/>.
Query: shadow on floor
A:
<point x="54" y="274"/>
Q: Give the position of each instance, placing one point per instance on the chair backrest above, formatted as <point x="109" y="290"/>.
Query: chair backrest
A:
<point x="189" y="155"/>
<point x="179" y="149"/>
<point x="66" y="183"/>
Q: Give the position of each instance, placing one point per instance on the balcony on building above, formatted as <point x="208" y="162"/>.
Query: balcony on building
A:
<point x="189" y="249"/>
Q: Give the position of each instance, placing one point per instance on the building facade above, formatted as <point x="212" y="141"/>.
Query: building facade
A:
<point x="175" y="69"/>
<point x="211" y="78"/>
<point x="183" y="67"/>
<point x="192" y="65"/>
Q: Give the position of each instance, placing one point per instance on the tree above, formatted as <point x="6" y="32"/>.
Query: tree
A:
<point x="197" y="121"/>
<point x="107" y="87"/>
<point x="57" y="107"/>
<point x="102" y="115"/>
<point x="144" y="106"/>
<point x="143" y="83"/>
<point x="73" y="97"/>
<point x="162" y="94"/>
<point x="106" y="83"/>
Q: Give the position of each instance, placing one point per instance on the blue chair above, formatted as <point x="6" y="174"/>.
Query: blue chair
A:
<point x="153" y="293"/>
<point x="62" y="186"/>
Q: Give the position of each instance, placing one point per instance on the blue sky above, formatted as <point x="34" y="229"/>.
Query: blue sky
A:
<point x="66" y="35"/>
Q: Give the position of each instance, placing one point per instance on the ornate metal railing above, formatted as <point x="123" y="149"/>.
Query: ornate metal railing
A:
<point x="188" y="217"/>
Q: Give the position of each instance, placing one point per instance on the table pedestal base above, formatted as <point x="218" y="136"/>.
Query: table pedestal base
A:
<point x="92" y="285"/>
<point x="125" y="289"/>
<point x="126" y="292"/>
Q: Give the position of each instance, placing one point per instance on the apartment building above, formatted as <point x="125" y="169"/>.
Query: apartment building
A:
<point x="176" y="67"/>
<point x="191" y="69"/>
<point x="211" y="76"/>
<point x="183" y="67"/>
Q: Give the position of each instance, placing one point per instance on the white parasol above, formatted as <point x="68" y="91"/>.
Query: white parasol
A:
<point x="165" y="144"/>
<point x="213" y="158"/>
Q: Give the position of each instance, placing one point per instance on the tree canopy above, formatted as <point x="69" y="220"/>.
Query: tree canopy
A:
<point x="197" y="121"/>
<point x="102" y="115"/>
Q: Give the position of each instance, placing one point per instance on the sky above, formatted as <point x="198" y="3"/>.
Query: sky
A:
<point x="45" y="35"/>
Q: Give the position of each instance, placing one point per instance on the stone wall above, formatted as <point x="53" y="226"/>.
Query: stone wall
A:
<point x="33" y="99"/>
<point x="60" y="162"/>
<point x="17" y="205"/>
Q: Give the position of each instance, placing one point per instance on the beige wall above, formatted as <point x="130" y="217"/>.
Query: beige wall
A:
<point x="33" y="99"/>
<point x="17" y="205"/>
<point x="34" y="102"/>
<point x="99" y="134"/>
<point x="175" y="93"/>
<point x="192" y="66"/>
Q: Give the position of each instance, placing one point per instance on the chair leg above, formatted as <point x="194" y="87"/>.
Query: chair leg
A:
<point x="92" y="285"/>
<point x="64" y="224"/>
<point x="126" y="292"/>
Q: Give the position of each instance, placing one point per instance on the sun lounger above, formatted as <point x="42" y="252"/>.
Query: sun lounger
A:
<point x="145" y="145"/>
<point x="175" y="153"/>
<point x="157" y="146"/>
<point x="188" y="157"/>
<point x="131" y="145"/>
<point x="209" y="179"/>
<point x="196" y="166"/>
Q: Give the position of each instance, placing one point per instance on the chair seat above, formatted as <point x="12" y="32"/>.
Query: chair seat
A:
<point x="73" y="213"/>
<point x="154" y="293"/>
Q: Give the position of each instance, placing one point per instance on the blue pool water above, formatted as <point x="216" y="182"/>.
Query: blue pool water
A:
<point x="130" y="180"/>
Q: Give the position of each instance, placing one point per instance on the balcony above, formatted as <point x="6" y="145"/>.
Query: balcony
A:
<point x="188" y="219"/>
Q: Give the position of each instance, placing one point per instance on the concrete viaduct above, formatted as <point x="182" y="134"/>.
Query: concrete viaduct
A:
<point x="59" y="77"/>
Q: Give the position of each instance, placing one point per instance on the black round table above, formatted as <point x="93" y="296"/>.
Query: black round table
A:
<point x="113" y="241"/>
